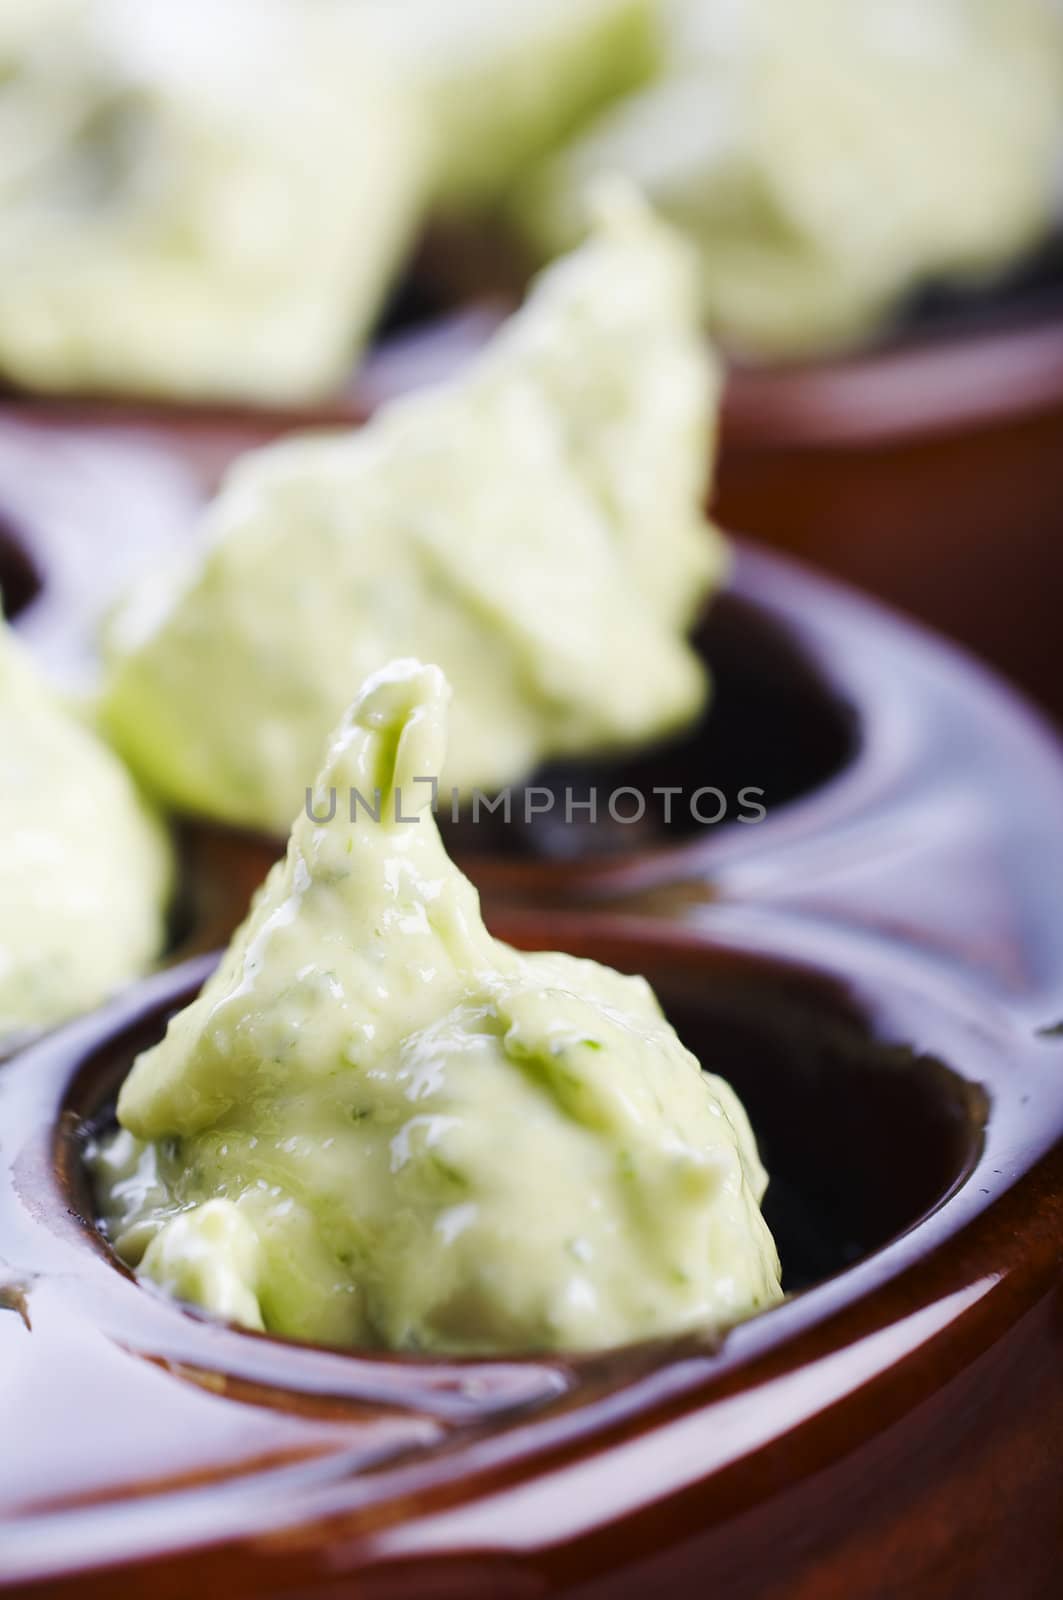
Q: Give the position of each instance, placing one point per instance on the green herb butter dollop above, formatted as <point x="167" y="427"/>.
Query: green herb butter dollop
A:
<point x="379" y="1125"/>
<point x="536" y="526"/>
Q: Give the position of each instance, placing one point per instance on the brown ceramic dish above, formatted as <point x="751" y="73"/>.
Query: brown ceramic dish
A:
<point x="876" y="966"/>
<point x="930" y="473"/>
<point x="910" y="1127"/>
<point x="879" y="970"/>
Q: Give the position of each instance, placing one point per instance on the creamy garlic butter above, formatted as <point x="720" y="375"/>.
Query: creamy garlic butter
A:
<point x="378" y="1125"/>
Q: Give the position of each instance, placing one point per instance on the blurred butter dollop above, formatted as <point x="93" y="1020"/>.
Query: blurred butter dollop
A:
<point x="204" y="200"/>
<point x="535" y="525"/>
<point x="829" y="156"/>
<point x="502" y="82"/>
<point x="85" y="867"/>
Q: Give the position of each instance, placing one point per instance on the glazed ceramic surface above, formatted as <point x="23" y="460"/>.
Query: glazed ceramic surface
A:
<point x="878" y="968"/>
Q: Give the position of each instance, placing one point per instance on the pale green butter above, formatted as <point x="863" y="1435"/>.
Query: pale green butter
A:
<point x="204" y="199"/>
<point x="501" y="84"/>
<point x="536" y="526"/>
<point x="826" y="157"/>
<point x="85" y="869"/>
<point x="378" y="1125"/>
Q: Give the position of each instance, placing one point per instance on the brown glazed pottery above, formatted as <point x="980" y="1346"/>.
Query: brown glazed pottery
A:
<point x="878" y="968"/>
<point x="930" y="473"/>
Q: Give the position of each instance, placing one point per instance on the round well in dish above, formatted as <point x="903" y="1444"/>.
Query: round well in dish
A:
<point x="19" y="580"/>
<point x="923" y="962"/>
<point x="915" y="1279"/>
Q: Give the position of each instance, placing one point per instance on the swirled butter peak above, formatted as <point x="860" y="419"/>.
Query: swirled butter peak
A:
<point x="379" y="1125"/>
